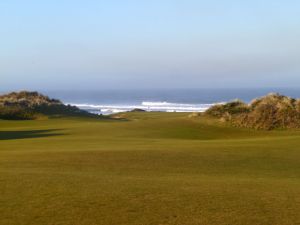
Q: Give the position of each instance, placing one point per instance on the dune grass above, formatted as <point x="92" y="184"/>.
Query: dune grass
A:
<point x="151" y="169"/>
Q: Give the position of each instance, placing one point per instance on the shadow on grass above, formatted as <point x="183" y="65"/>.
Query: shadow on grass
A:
<point x="11" y="135"/>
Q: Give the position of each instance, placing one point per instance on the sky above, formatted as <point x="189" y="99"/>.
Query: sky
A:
<point x="126" y="44"/>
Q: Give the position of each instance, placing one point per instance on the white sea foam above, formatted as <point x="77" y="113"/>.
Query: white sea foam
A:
<point x="148" y="106"/>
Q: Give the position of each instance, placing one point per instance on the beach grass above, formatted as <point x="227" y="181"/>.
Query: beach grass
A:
<point x="147" y="169"/>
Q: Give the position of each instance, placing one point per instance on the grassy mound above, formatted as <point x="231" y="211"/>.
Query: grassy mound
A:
<point x="270" y="112"/>
<point x="30" y="105"/>
<point x="138" y="110"/>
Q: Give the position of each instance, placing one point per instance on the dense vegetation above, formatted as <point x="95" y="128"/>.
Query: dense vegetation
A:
<point x="150" y="169"/>
<point x="269" y="112"/>
<point x="30" y="105"/>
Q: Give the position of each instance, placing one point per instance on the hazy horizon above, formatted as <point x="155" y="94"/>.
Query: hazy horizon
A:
<point x="130" y="44"/>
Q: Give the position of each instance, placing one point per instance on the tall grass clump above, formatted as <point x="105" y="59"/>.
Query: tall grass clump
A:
<point x="269" y="112"/>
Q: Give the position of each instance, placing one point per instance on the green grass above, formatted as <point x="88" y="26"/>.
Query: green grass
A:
<point x="155" y="168"/>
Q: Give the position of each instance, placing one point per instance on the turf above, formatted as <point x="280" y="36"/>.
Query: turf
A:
<point x="147" y="169"/>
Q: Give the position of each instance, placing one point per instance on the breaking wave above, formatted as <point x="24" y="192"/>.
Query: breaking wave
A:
<point x="147" y="106"/>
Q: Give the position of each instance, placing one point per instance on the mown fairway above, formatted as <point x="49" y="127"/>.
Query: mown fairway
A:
<point x="155" y="168"/>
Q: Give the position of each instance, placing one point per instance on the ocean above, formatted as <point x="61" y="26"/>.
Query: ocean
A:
<point x="165" y="100"/>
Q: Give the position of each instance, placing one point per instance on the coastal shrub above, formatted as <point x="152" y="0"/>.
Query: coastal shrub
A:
<point x="269" y="112"/>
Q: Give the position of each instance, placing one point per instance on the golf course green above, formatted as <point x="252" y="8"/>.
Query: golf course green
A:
<point x="147" y="169"/>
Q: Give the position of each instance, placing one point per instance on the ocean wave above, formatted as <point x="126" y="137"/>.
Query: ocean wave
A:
<point x="145" y="105"/>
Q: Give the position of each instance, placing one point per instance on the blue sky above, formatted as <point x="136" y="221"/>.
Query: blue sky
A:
<point x="94" y="44"/>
